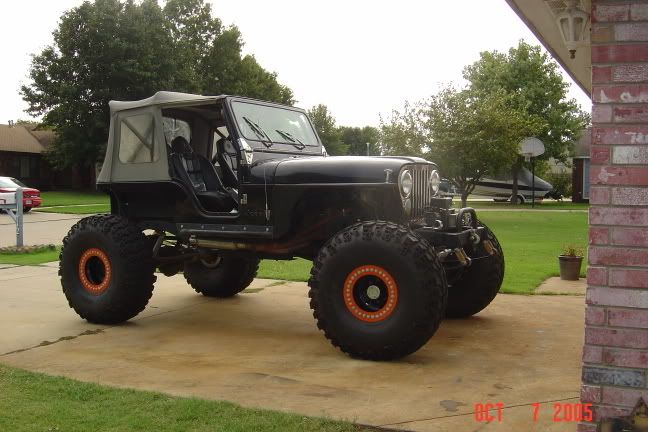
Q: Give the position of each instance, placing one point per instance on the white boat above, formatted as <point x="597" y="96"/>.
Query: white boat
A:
<point x="501" y="187"/>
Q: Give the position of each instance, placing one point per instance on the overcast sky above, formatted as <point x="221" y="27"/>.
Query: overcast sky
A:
<point x="360" y="57"/>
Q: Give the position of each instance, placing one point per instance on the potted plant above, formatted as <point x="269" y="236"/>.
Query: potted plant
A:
<point x="570" y="261"/>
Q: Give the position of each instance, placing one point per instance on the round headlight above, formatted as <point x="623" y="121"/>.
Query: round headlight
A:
<point x="406" y="183"/>
<point x="435" y="181"/>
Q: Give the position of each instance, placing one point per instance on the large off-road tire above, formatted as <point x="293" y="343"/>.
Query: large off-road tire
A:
<point x="106" y="269"/>
<point x="223" y="276"/>
<point x="378" y="291"/>
<point x="477" y="285"/>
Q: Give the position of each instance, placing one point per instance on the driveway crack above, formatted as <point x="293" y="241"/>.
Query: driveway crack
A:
<point x="61" y="339"/>
<point x="97" y="331"/>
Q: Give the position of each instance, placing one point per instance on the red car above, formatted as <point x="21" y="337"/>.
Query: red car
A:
<point x="8" y="186"/>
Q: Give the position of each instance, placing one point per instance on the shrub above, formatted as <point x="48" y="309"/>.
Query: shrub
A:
<point x="572" y="250"/>
<point x="10" y="250"/>
<point x="562" y="183"/>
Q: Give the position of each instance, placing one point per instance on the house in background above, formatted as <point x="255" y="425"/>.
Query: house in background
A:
<point x="578" y="168"/>
<point x="581" y="168"/>
<point x="21" y="155"/>
<point x="22" y="151"/>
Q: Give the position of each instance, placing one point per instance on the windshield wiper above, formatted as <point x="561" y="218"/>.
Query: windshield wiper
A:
<point x="294" y="141"/>
<point x="259" y="131"/>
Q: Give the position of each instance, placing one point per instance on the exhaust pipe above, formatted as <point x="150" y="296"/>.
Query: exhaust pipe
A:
<point x="274" y="247"/>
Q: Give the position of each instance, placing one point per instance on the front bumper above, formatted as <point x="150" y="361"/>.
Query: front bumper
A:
<point x="450" y="228"/>
<point x="452" y="240"/>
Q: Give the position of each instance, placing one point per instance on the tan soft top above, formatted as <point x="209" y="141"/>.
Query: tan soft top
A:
<point x="161" y="98"/>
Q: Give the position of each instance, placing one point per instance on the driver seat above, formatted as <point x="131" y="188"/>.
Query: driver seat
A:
<point x="197" y="172"/>
<point x="225" y="149"/>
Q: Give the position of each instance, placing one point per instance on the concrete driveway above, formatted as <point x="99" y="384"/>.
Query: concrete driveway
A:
<point x="38" y="228"/>
<point x="262" y="349"/>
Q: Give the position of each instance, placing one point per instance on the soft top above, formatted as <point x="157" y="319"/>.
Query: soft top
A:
<point x="161" y="98"/>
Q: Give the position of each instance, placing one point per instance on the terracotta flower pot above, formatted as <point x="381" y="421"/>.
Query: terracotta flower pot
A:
<point x="570" y="267"/>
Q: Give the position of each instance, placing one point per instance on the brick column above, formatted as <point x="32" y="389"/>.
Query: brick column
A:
<point x="615" y="355"/>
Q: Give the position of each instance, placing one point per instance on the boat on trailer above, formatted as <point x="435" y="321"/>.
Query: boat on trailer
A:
<point x="501" y="187"/>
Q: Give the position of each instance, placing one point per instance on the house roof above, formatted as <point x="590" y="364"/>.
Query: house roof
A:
<point x="17" y="138"/>
<point x="45" y="137"/>
<point x="540" y="17"/>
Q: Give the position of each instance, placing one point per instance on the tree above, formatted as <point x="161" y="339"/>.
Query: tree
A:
<point x="467" y="137"/>
<point x="361" y="141"/>
<point x="103" y="50"/>
<point x="122" y="49"/>
<point x="210" y="56"/>
<point x="403" y="133"/>
<point x="254" y="81"/>
<point x="533" y="83"/>
<point x="472" y="137"/>
<point x="330" y="135"/>
<point x="194" y="32"/>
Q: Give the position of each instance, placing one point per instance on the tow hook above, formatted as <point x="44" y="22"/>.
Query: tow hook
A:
<point x="462" y="257"/>
<point x="474" y="237"/>
<point x="489" y="247"/>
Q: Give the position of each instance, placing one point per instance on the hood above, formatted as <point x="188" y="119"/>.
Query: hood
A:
<point x="333" y="169"/>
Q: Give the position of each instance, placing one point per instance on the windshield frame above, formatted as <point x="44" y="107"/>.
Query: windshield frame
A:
<point x="277" y="146"/>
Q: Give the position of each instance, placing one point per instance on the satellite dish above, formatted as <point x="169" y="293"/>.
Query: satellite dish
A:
<point x="531" y="147"/>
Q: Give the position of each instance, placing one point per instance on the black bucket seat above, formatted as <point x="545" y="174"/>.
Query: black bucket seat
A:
<point x="198" y="173"/>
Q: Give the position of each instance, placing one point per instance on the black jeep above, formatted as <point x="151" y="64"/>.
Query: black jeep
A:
<point x="209" y="185"/>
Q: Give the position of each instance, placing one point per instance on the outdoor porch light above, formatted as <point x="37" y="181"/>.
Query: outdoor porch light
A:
<point x="573" y="26"/>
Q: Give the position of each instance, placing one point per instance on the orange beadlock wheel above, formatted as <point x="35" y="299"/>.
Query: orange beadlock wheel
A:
<point x="370" y="293"/>
<point x="95" y="271"/>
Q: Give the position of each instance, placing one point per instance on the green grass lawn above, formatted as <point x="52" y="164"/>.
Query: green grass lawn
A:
<point x="546" y="205"/>
<point x="68" y="198"/>
<point x="35" y="402"/>
<point x="82" y="209"/>
<point x="532" y="243"/>
<point x="295" y="270"/>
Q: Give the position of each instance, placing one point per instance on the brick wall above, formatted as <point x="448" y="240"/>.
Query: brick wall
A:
<point x="615" y="355"/>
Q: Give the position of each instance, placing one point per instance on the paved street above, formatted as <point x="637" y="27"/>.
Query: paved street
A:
<point x="39" y="228"/>
<point x="262" y="349"/>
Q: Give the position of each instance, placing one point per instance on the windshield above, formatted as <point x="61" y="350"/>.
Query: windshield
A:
<point x="271" y="125"/>
<point x="9" y="182"/>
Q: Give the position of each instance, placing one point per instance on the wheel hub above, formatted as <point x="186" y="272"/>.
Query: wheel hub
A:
<point x="95" y="271"/>
<point x="373" y="292"/>
<point x="370" y="293"/>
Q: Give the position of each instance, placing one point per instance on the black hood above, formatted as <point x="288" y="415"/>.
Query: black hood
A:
<point x="332" y="169"/>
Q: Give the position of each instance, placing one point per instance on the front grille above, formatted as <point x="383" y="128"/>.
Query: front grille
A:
<point x="421" y="190"/>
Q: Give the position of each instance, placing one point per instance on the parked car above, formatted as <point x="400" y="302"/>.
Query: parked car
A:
<point x="8" y="186"/>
